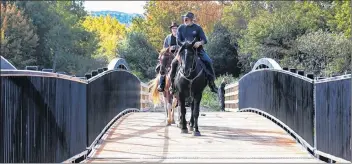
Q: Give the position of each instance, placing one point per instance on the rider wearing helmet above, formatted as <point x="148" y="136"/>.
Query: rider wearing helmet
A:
<point x="170" y="41"/>
<point x="190" y="31"/>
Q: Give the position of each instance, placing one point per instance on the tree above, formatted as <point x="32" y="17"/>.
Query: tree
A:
<point x="273" y="32"/>
<point x="18" y="37"/>
<point x="140" y="54"/>
<point x="237" y="16"/>
<point x="222" y="51"/>
<point x="323" y="53"/>
<point x="43" y="19"/>
<point x="340" y="19"/>
<point x="110" y="32"/>
<point x="160" y="14"/>
<point x="61" y="34"/>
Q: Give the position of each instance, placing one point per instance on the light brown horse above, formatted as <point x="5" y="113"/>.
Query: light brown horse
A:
<point x="165" y="57"/>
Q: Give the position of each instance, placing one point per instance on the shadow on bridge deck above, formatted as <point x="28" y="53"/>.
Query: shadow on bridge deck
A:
<point x="226" y="137"/>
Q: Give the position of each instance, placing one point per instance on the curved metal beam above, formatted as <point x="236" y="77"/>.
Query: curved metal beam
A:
<point x="268" y="62"/>
<point x="116" y="63"/>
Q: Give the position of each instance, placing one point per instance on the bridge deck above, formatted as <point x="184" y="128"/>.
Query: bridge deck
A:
<point x="226" y="137"/>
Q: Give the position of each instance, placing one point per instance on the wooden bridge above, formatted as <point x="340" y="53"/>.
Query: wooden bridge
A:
<point x="227" y="137"/>
<point x="273" y="115"/>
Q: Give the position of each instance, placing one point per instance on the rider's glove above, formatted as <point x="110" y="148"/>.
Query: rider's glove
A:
<point x="197" y="44"/>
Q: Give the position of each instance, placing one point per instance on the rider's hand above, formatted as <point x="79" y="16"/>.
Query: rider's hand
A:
<point x="197" y="44"/>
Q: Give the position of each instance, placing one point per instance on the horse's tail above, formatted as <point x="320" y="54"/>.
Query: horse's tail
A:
<point x="155" y="93"/>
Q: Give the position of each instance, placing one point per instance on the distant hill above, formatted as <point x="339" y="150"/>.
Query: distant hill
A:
<point x="124" y="18"/>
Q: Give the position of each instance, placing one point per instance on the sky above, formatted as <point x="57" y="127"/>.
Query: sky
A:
<point x="122" y="6"/>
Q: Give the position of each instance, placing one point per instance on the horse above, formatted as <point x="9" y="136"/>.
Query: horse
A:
<point x="190" y="82"/>
<point x="165" y="57"/>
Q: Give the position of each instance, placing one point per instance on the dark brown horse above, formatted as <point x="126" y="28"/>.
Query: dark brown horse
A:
<point x="165" y="57"/>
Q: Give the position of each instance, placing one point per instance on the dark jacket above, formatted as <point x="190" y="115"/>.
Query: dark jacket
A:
<point x="188" y="33"/>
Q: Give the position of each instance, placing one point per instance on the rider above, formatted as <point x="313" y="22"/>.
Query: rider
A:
<point x="189" y="31"/>
<point x="170" y="41"/>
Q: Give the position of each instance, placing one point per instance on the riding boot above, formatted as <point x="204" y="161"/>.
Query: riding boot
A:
<point x="161" y="83"/>
<point x="211" y="77"/>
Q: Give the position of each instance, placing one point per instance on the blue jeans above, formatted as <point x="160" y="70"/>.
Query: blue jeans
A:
<point x="204" y="56"/>
<point x="208" y="63"/>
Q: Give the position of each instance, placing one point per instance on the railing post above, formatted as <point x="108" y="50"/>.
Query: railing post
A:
<point x="293" y="70"/>
<point x="88" y="76"/>
<point x="300" y="72"/>
<point x="310" y="75"/>
<point x="94" y="73"/>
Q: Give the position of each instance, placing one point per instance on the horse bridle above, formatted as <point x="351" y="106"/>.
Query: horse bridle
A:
<point x="193" y="65"/>
<point x="191" y="80"/>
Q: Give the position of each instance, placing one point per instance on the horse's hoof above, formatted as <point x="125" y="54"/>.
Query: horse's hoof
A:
<point x="196" y="133"/>
<point x="173" y="122"/>
<point x="190" y="128"/>
<point x="184" y="131"/>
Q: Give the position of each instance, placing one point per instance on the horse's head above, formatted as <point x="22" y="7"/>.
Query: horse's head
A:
<point x="188" y="57"/>
<point x="165" y="57"/>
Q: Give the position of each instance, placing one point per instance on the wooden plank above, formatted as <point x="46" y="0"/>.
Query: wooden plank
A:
<point x="226" y="137"/>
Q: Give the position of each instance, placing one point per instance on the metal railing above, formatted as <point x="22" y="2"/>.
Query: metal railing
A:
<point x="51" y="117"/>
<point x="317" y="112"/>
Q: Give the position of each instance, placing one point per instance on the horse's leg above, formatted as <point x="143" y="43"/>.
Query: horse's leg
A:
<point x="191" y="120"/>
<point x="169" y="106"/>
<point x="177" y="109"/>
<point x="172" y="110"/>
<point x="179" y="113"/>
<point x="183" y="114"/>
<point x="167" y="116"/>
<point x="197" y="99"/>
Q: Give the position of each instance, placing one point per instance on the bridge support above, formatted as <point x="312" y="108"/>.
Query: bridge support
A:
<point x="266" y="63"/>
<point x="118" y="63"/>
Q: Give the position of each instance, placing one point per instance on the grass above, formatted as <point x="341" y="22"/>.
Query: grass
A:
<point x="210" y="99"/>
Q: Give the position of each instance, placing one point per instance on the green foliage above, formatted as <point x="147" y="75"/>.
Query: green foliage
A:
<point x="341" y="17"/>
<point x="140" y="54"/>
<point x="222" y="52"/>
<point x="309" y="35"/>
<point x="272" y="31"/>
<point x="271" y="35"/>
<point x="324" y="53"/>
<point x="237" y="16"/>
<point x="63" y="42"/>
<point x="110" y="32"/>
<point x="210" y="99"/>
<point x="18" y="37"/>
